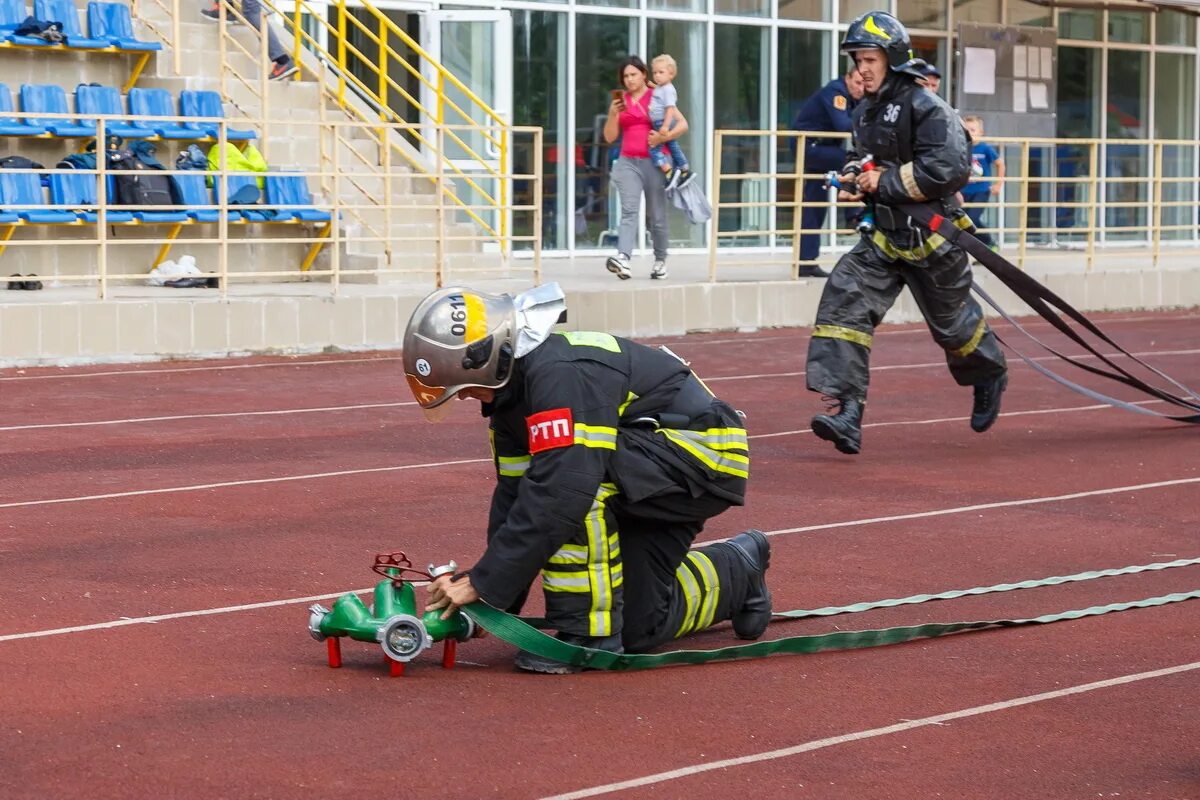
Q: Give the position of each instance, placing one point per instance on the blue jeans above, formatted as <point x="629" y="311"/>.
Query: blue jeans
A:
<point x="669" y="153"/>
<point x="976" y="214"/>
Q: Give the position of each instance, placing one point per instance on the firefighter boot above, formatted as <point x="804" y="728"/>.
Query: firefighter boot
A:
<point x="753" y="548"/>
<point x="528" y="662"/>
<point x="987" y="403"/>
<point x="844" y="428"/>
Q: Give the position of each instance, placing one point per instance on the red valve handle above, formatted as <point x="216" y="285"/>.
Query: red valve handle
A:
<point x="395" y="565"/>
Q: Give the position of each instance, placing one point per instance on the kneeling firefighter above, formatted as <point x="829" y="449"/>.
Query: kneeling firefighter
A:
<point x="610" y="456"/>
<point x="922" y="155"/>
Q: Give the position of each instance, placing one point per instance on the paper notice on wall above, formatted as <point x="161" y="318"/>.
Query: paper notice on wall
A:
<point x="1047" y="63"/>
<point x="1039" y="96"/>
<point x="979" y="70"/>
<point x="1020" y="106"/>
<point x="1020" y="70"/>
<point x="1033" y="67"/>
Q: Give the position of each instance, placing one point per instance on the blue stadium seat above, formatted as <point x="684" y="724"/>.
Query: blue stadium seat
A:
<point x="292" y="190"/>
<point x="91" y="99"/>
<point x="52" y="99"/>
<point x="111" y="22"/>
<point x="11" y="126"/>
<point x="156" y="103"/>
<point x="236" y="181"/>
<point x="193" y="192"/>
<point x="79" y="189"/>
<point x="64" y="11"/>
<point x="207" y="104"/>
<point x="21" y="194"/>
<point x="12" y="14"/>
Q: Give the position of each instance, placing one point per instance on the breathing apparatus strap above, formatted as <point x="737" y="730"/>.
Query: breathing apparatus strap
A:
<point x="1048" y="305"/>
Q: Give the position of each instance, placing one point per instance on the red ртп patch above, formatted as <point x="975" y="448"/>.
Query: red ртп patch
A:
<point x="550" y="429"/>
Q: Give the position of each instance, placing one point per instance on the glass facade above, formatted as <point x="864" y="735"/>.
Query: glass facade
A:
<point x="1124" y="77"/>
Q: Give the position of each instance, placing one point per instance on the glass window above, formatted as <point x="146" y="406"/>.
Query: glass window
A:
<point x="600" y="44"/>
<point x="1174" y="27"/>
<point x="1129" y="26"/>
<point x="686" y="42"/>
<point x="539" y="98"/>
<point x="699" y="6"/>
<point x="1079" y="24"/>
<point x="803" y="69"/>
<point x="1174" y="95"/>
<point x="1024" y="12"/>
<point x="610" y="3"/>
<point x="977" y="11"/>
<point x="922" y="13"/>
<point x="809" y="10"/>
<point x="1128" y="95"/>
<point x="933" y="50"/>
<point x="1175" y="80"/>
<point x="1078" y="92"/>
<point x="853" y="9"/>
<point x="744" y="8"/>
<point x="740" y="102"/>
<point x="1078" y="105"/>
<point x="1128" y="106"/>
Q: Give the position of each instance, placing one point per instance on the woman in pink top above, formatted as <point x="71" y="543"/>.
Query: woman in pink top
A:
<point x="634" y="174"/>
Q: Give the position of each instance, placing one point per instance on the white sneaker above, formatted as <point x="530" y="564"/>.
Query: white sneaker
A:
<point x="619" y="265"/>
<point x="659" y="271"/>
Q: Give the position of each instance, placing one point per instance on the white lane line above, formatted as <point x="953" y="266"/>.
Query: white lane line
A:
<point x="120" y="623"/>
<point x="251" y="482"/>
<point x="889" y="367"/>
<point x="939" y="420"/>
<point x="873" y="733"/>
<point x="1024" y="501"/>
<point x="845" y="524"/>
<point x="214" y="368"/>
<point x="176" y="417"/>
<point x="284" y="411"/>
<point x="367" y="470"/>
<point x="1032" y="322"/>
<point x="335" y="361"/>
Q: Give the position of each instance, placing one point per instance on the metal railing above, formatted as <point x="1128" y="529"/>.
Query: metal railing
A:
<point x="439" y="241"/>
<point x="1088" y="199"/>
<point x="376" y="98"/>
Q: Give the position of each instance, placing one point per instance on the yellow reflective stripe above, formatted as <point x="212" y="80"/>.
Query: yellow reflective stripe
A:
<point x="721" y="438"/>
<point x="730" y="463"/>
<point x="909" y="179"/>
<point x="512" y="466"/>
<point x="848" y="334"/>
<point x="596" y="436"/>
<point x="932" y="243"/>
<point x="605" y="341"/>
<point x="712" y="585"/>
<point x="477" y="326"/>
<point x="691" y="599"/>
<point x="973" y="342"/>
<point x="577" y="582"/>
<point x="621" y="408"/>
<point x="599" y="570"/>
<point x="570" y="554"/>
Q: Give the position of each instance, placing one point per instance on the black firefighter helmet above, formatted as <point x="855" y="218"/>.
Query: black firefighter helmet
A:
<point x="880" y="29"/>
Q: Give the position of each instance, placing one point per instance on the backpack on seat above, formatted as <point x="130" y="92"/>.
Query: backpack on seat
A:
<point x="149" y="187"/>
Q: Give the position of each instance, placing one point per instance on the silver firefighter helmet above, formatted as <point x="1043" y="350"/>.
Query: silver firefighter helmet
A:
<point x="458" y="338"/>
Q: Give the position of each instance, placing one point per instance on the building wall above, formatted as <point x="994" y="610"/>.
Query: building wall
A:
<point x="1124" y="76"/>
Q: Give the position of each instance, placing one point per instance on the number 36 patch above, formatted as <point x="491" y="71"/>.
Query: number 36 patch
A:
<point x="550" y="429"/>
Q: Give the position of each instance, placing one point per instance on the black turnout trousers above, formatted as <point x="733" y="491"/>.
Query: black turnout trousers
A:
<point x="864" y="285"/>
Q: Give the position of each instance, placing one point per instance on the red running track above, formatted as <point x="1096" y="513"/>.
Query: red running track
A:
<point x="198" y="489"/>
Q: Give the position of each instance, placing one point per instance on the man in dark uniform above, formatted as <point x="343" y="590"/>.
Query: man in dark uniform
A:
<point x="610" y="456"/>
<point x="827" y="110"/>
<point x="923" y="155"/>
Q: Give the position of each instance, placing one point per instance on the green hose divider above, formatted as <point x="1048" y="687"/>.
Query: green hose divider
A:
<point x="519" y="633"/>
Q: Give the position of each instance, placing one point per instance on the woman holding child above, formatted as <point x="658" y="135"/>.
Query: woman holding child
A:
<point x="634" y="172"/>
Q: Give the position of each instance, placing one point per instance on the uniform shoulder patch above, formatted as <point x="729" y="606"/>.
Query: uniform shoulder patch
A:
<point x="839" y="102"/>
<point x="550" y="429"/>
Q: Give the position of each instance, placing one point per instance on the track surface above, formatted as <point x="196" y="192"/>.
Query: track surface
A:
<point x="223" y="494"/>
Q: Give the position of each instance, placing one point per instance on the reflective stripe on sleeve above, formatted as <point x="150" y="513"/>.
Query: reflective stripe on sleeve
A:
<point x="596" y="436"/>
<point x="909" y="179"/>
<point x="512" y="466"/>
